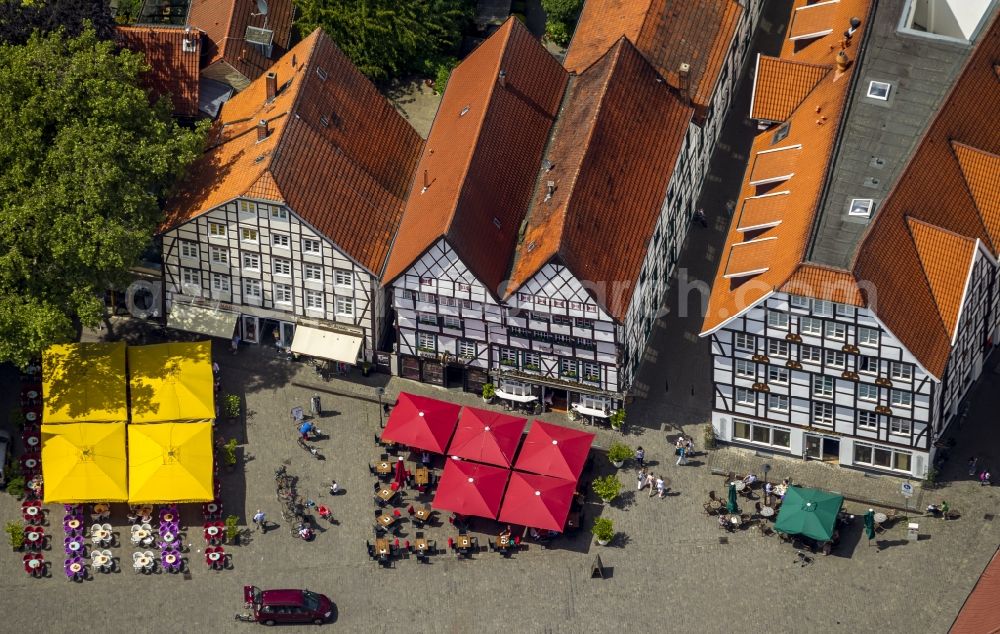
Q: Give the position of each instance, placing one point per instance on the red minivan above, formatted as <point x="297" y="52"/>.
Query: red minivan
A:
<point x="287" y="606"/>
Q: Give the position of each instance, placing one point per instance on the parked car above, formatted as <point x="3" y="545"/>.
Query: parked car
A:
<point x="4" y="452"/>
<point x="287" y="606"/>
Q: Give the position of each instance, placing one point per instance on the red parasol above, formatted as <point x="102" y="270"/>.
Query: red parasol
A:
<point x="421" y="422"/>
<point x="469" y="488"/>
<point x="490" y="437"/>
<point x="554" y="450"/>
<point x="537" y="500"/>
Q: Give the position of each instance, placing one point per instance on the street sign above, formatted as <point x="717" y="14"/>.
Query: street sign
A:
<point x="906" y="489"/>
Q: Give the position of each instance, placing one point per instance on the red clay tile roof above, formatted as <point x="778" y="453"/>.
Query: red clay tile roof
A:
<point x="814" y="20"/>
<point x="816" y="132"/>
<point x="762" y="212"/>
<point x="935" y="190"/>
<point x="667" y="33"/>
<point x="946" y="259"/>
<point x="981" y="610"/>
<point x="981" y="171"/>
<point x="612" y="153"/>
<point x="780" y="85"/>
<point x="482" y="154"/>
<point x="225" y="23"/>
<point x="823" y="282"/>
<point x="339" y="155"/>
<point x="173" y="71"/>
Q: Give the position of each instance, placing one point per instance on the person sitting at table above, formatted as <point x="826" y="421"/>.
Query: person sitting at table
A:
<point x="749" y="479"/>
<point x="425" y="459"/>
<point x="723" y="521"/>
<point x="505" y="533"/>
<point x="133" y="517"/>
<point x="785" y="483"/>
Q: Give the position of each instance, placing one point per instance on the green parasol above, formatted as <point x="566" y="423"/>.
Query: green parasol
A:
<point x="731" y="503"/>
<point x="870" y="524"/>
<point x="809" y="512"/>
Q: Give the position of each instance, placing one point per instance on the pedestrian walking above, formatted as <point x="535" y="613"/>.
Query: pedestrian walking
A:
<point x="334" y="488"/>
<point x="660" y="487"/>
<point x="984" y="478"/>
<point x="699" y="215"/>
<point x="681" y="456"/>
<point x="972" y="466"/>
<point x="689" y="446"/>
<point x="235" y="344"/>
<point x="258" y="520"/>
<point x="641" y="479"/>
<point x="652" y="489"/>
<point x="640" y="456"/>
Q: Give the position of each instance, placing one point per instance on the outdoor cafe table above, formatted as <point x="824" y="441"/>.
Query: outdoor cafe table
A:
<point x="385" y="494"/>
<point x="463" y="542"/>
<point x="386" y="520"/>
<point x="715" y="504"/>
<point x="34" y="536"/>
<point x="101" y="560"/>
<point x="73" y="523"/>
<point x="422" y="475"/>
<point x="31" y="439"/>
<point x="880" y="517"/>
<point x="780" y="490"/>
<point x="740" y="484"/>
<point x="382" y="547"/>
<point x="31" y="512"/>
<point x="766" y="511"/>
<point x="422" y="514"/>
<point x="31" y="416"/>
<point x="215" y="556"/>
<point x="144" y="561"/>
<point x="100" y="536"/>
<point x="420" y="545"/>
<point x="504" y="542"/>
<point x="383" y="467"/>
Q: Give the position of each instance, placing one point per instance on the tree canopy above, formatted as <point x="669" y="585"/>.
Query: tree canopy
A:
<point x="389" y="38"/>
<point x="20" y="18"/>
<point x="85" y="159"/>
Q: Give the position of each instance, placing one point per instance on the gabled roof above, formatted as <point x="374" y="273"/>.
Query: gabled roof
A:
<point x="225" y="23"/>
<point x="610" y="159"/>
<point x="338" y="154"/>
<point x="824" y="282"/>
<point x="173" y="56"/>
<point x="934" y="189"/>
<point x="780" y="85"/>
<point x="946" y="259"/>
<point x="667" y="32"/>
<point x="981" y="171"/>
<point x="476" y="174"/>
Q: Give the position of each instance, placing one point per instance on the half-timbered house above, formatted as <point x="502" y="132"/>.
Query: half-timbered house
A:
<point x="285" y="225"/>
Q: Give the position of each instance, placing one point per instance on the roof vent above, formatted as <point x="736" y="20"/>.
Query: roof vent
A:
<point x="189" y="44"/>
<point x="502" y="78"/>
<point x="550" y="188"/>
<point x="427" y="183"/>
<point x="322" y="73"/>
<point x="531" y="246"/>
<point x="464" y="111"/>
<point x="324" y="122"/>
<point x="271" y="83"/>
<point x="496" y="222"/>
<point x="843" y="61"/>
<point x="548" y="165"/>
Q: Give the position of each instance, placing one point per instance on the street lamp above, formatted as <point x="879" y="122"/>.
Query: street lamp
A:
<point x="380" y="391"/>
<point x="765" y="468"/>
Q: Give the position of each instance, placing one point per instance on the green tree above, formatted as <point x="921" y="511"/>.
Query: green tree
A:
<point x="85" y="159"/>
<point x="561" y="10"/>
<point x="389" y="38"/>
<point x="20" y="18"/>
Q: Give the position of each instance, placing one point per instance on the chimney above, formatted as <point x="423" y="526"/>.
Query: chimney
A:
<point x="550" y="188"/>
<point x="855" y="23"/>
<point x="502" y="78"/>
<point x="271" y="81"/>
<point x="684" y="79"/>
<point x="427" y="182"/>
<point x="842" y="62"/>
<point x="262" y="130"/>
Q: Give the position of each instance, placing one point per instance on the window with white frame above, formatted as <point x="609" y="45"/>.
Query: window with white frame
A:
<point x="427" y="281"/>
<point x="216" y="230"/>
<point x="867" y="420"/>
<point x="462" y="287"/>
<point x="444" y="300"/>
<point x="777" y="374"/>
<point x="508" y="357"/>
<point x="251" y="261"/>
<point x="314" y="247"/>
<point x="868" y="392"/>
<point x="811" y="354"/>
<point x="278" y="213"/>
<point x="591" y="371"/>
<point x="900" y="398"/>
<point x="822" y="413"/>
<point x="516" y="388"/>
<point x="248" y="235"/>
<point x="745" y="396"/>
<point x="314" y="299"/>
<point x="867" y="336"/>
<point x="745" y="369"/>
<point x="882" y="457"/>
<point x="281" y="266"/>
<point x="450" y="321"/>
<point x="822" y="308"/>
<point x="567" y="367"/>
<point x="282" y="294"/>
<point x="822" y="386"/>
<point x="844" y="310"/>
<point x="743" y="341"/>
<point x="777" y="402"/>
<point x="313" y="272"/>
<point x="835" y="359"/>
<point x="247" y="207"/>
<point x="532" y="361"/>
<point x="777" y="319"/>
<point x="755" y="432"/>
<point x="900" y="426"/>
<point x="219" y="255"/>
<point x="868" y="365"/>
<point x="466" y="348"/>
<point x="190" y="276"/>
<point x="344" y="279"/>
<point x="798" y="302"/>
<point x="220" y="282"/>
<point x="426" y="298"/>
<point x="777" y="348"/>
<point x="835" y="330"/>
<point x="427" y="341"/>
<point x="189" y="249"/>
<point x="900" y="371"/>
<point x="281" y="240"/>
<point x="810" y="326"/>
<point x="345" y="306"/>
<point x="251" y="289"/>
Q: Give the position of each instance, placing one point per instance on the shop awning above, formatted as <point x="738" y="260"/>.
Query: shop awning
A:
<point x="517" y="398"/>
<point x="326" y="344"/>
<point x="207" y="321"/>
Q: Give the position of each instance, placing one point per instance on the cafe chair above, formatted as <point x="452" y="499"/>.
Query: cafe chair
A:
<point x="491" y="545"/>
<point x="451" y="544"/>
<point x="406" y="545"/>
<point x="757" y="507"/>
<point x="371" y="549"/>
<point x="371" y="469"/>
<point x="411" y="510"/>
<point x="396" y="513"/>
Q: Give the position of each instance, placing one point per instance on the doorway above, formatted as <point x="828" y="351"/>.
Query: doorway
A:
<point x="250" y="329"/>
<point x="823" y="448"/>
<point x="814" y="447"/>
<point x="831" y="449"/>
<point x="454" y="377"/>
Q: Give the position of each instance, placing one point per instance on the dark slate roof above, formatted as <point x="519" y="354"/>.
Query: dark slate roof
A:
<point x="921" y="71"/>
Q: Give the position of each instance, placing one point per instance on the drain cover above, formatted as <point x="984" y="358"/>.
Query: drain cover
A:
<point x="988" y="517"/>
<point x="723" y="540"/>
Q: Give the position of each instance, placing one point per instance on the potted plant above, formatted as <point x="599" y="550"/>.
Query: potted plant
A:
<point x="229" y="454"/>
<point x="618" y="453"/>
<point x="617" y="419"/>
<point x="607" y="488"/>
<point x="232" y="530"/>
<point x="604" y="530"/>
<point x="231" y="407"/>
<point x="15" y="486"/>
<point x="366" y="368"/>
<point x="709" y="436"/>
<point x="489" y="392"/>
<point x="15" y="534"/>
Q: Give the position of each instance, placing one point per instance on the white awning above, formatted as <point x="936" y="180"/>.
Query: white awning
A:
<point x="207" y="321"/>
<point x="325" y="344"/>
<point x="589" y="411"/>
<point x="516" y="397"/>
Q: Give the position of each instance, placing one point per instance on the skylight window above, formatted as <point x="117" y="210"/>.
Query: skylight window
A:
<point x="861" y="207"/>
<point x="879" y="90"/>
<point x="781" y="133"/>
